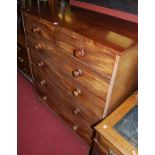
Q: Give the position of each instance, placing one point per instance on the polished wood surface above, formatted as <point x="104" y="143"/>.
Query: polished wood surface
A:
<point x="107" y="138"/>
<point x="71" y="113"/>
<point x="112" y="32"/>
<point x="78" y="59"/>
<point x="84" y="99"/>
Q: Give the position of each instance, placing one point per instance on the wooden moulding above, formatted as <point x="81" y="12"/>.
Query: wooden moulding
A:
<point x="106" y="133"/>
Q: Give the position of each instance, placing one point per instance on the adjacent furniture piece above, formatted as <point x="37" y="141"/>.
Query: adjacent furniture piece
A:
<point x="84" y="63"/>
<point x="22" y="54"/>
<point x="118" y="133"/>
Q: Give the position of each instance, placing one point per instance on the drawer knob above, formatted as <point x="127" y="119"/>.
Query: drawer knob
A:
<point x="43" y="82"/>
<point x="78" y="53"/>
<point x="111" y="152"/>
<point x="40" y="64"/>
<point x="77" y="73"/>
<point x="76" y="92"/>
<point x="35" y="29"/>
<point x="37" y="46"/>
<point x="76" y="111"/>
<point x="44" y="98"/>
<point x="21" y="60"/>
<point x="75" y="127"/>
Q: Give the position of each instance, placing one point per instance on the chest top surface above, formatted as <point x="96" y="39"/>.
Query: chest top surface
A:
<point x="115" y="33"/>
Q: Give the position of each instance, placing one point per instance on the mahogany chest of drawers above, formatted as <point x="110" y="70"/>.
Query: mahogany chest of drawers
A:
<point x="82" y="69"/>
<point x="118" y="133"/>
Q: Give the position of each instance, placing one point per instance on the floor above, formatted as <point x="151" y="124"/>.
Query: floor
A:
<point x="40" y="130"/>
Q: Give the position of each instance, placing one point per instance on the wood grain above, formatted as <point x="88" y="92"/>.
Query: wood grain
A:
<point x="85" y="99"/>
<point x="43" y="30"/>
<point x="94" y="55"/>
<point x="108" y="138"/>
<point x="87" y="60"/>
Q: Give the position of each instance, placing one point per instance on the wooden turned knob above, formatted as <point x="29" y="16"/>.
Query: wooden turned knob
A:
<point x="44" y="98"/>
<point x="21" y="60"/>
<point x="37" y="46"/>
<point x="76" y="92"/>
<point x="78" y="53"/>
<point x="40" y="64"/>
<point x="75" y="127"/>
<point x="76" y="111"/>
<point x="111" y="152"/>
<point x="42" y="82"/>
<point x="35" y="29"/>
<point x="77" y="73"/>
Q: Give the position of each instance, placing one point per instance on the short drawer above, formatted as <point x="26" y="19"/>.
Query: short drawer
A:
<point x="40" y="46"/>
<point x="86" y="98"/>
<point x="88" y="52"/>
<point x="39" y="28"/>
<point x="57" y="104"/>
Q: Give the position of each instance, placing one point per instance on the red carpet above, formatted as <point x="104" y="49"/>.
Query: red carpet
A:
<point x="40" y="131"/>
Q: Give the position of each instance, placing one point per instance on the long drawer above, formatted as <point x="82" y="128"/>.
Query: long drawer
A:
<point x="87" y="51"/>
<point x="85" y="98"/>
<point x="39" y="28"/>
<point x="56" y="99"/>
<point x="65" y="99"/>
<point x="66" y="67"/>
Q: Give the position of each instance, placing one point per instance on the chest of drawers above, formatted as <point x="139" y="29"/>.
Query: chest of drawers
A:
<point x="118" y="133"/>
<point x="81" y="70"/>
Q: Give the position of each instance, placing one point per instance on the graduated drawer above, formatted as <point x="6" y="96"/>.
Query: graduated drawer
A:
<point x="62" y="97"/>
<point x="87" y="51"/>
<point x="56" y="99"/>
<point x="49" y="54"/>
<point x="86" y="97"/>
<point x="39" y="28"/>
<point x="66" y="67"/>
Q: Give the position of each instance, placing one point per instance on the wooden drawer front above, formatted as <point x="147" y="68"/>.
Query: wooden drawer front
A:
<point x="70" y="84"/>
<point x="49" y="53"/>
<point x="39" y="28"/>
<point x="59" y="106"/>
<point x="65" y="66"/>
<point x="86" y="101"/>
<point x="41" y="47"/>
<point x="87" y="52"/>
<point x="107" y="145"/>
<point x="63" y="98"/>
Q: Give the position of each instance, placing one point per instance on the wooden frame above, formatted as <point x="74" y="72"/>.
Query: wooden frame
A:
<point x="105" y="128"/>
